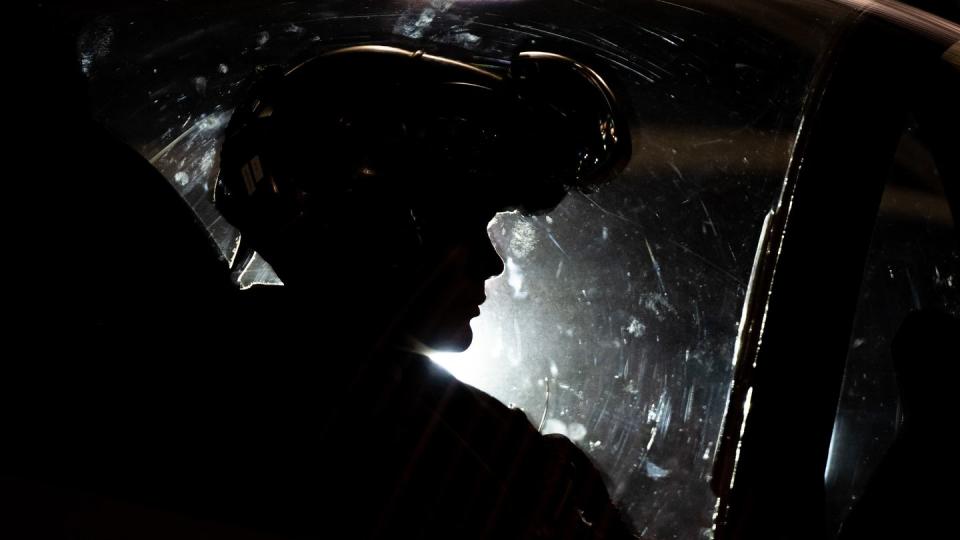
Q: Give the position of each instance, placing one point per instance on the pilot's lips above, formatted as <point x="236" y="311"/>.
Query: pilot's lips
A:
<point x="475" y="304"/>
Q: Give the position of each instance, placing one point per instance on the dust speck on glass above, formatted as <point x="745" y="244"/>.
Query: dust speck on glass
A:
<point x="615" y="320"/>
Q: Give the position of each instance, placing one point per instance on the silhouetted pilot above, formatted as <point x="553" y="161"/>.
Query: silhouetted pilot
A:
<point x="913" y="493"/>
<point x="366" y="177"/>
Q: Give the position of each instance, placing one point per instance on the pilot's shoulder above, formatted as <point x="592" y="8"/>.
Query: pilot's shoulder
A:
<point x="459" y="396"/>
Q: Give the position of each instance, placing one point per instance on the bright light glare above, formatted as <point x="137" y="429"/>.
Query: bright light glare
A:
<point x="475" y="365"/>
<point x="465" y="366"/>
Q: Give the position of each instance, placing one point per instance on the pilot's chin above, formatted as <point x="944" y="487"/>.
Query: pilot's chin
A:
<point x="455" y="340"/>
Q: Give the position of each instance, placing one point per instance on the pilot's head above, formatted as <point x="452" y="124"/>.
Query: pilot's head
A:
<point x="367" y="176"/>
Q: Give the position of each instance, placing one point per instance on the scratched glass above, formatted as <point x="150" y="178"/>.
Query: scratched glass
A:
<point x="913" y="264"/>
<point x="615" y="320"/>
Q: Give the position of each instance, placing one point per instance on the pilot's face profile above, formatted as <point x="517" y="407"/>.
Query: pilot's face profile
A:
<point x="457" y="259"/>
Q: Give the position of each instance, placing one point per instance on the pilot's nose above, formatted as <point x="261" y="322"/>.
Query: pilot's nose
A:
<point x="495" y="262"/>
<point x="485" y="261"/>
